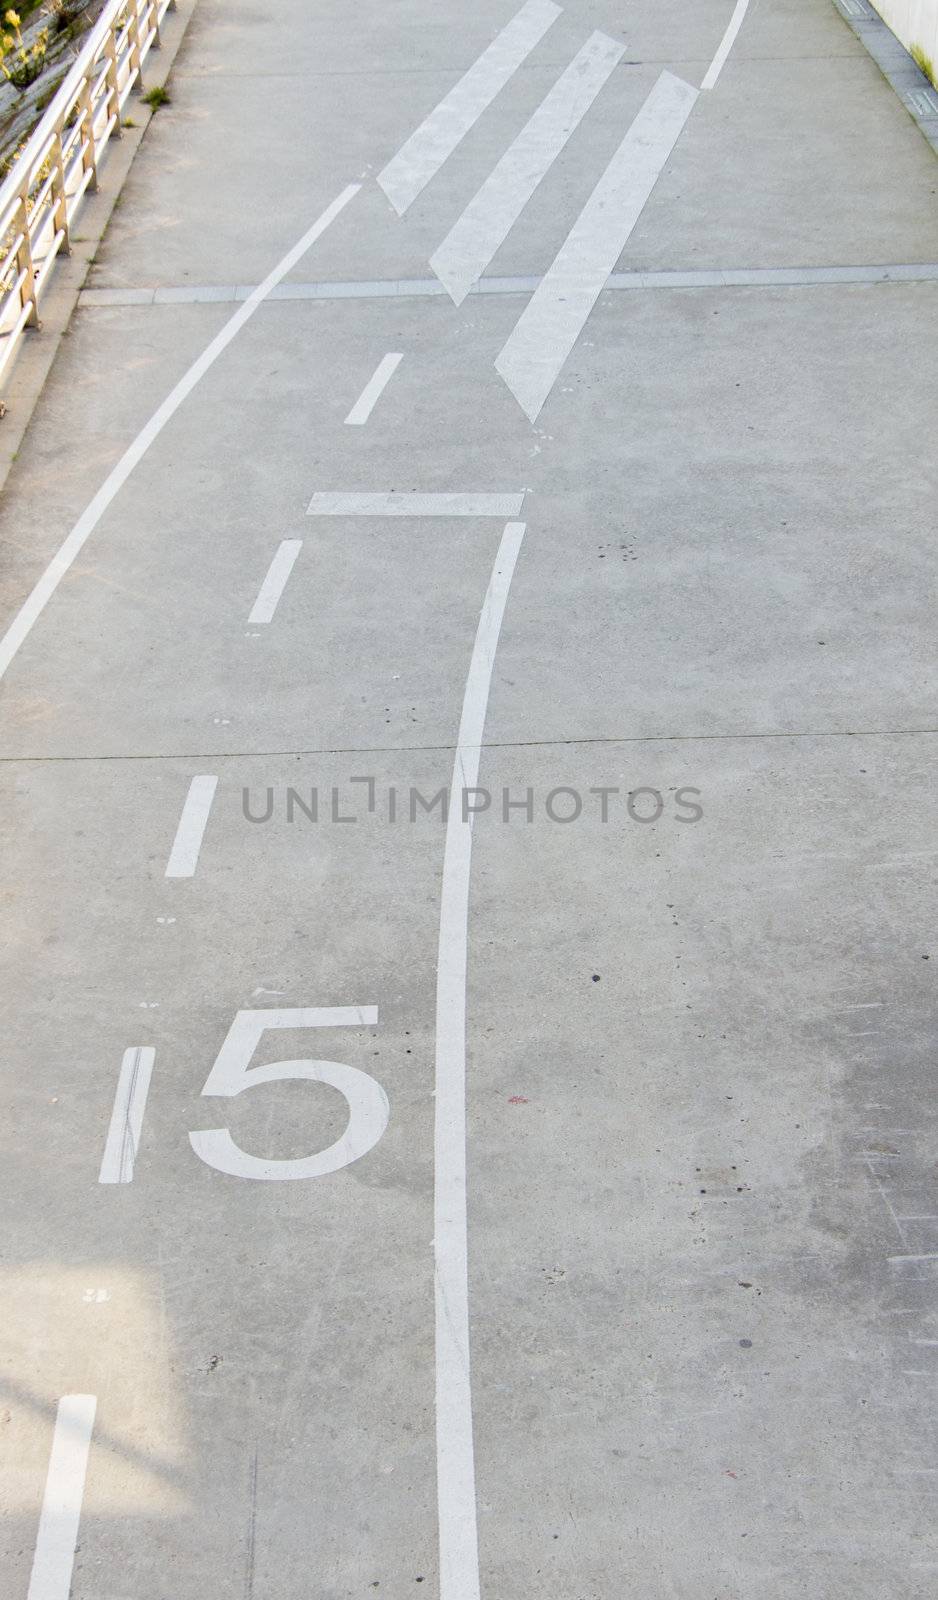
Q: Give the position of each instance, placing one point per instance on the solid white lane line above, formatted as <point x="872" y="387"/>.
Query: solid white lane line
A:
<point x="373" y="390"/>
<point x="491" y="214"/>
<point x="123" y="1136"/>
<point x="447" y="125"/>
<point x="33" y="607"/>
<point x="401" y="503"/>
<point x="726" y="44"/>
<point x="553" y="319"/>
<point x="278" y="574"/>
<point x="184" y="856"/>
<point x="456" y="1494"/>
<point x="51" y="1577"/>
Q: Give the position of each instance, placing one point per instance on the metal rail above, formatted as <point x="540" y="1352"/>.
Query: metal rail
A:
<point x="59" y="163"/>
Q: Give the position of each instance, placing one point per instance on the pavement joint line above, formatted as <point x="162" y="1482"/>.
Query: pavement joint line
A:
<point x="541" y="65"/>
<point x="489" y="744"/>
<point x="413" y="288"/>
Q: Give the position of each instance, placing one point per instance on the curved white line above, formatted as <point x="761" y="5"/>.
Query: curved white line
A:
<point x="455" y="1464"/>
<point x="726" y="44"/>
<point x="36" y="602"/>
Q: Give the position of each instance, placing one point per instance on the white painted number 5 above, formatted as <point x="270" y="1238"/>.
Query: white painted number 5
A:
<point x="231" y="1075"/>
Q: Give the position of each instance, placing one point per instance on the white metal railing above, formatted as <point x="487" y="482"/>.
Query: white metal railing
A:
<point x="59" y="162"/>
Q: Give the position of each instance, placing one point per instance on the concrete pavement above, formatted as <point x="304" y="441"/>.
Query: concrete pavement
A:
<point x="698" y="1223"/>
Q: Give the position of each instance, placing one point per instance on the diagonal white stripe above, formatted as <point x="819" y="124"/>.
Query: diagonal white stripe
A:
<point x="491" y="214"/>
<point x="447" y="125"/>
<point x="553" y="319"/>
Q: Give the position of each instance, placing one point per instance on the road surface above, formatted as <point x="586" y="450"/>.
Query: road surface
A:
<point x="469" y="762"/>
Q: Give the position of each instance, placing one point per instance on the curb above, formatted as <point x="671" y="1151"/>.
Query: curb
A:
<point x="40" y="347"/>
<point x="910" y="83"/>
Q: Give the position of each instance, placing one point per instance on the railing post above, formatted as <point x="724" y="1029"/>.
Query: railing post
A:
<point x="113" y="86"/>
<point x="136" y="55"/>
<point x="89" y="158"/>
<point x="24" y="261"/>
<point x="60" y="211"/>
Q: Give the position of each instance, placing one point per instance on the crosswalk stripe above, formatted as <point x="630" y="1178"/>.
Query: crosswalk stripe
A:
<point x="490" y="215"/>
<point x="553" y="319"/>
<point x="438" y="135"/>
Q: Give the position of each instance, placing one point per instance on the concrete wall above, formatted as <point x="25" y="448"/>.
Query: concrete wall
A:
<point x="913" y="22"/>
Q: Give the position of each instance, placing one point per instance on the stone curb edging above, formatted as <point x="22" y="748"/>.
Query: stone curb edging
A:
<point x="39" y="348"/>
<point x="910" y="83"/>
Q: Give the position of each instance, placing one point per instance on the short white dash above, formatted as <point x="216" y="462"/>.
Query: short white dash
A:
<point x="123" y="1137"/>
<point x="929" y="1255"/>
<point x="374" y="389"/>
<point x="278" y="574"/>
<point x="54" y="1559"/>
<point x="184" y="855"/>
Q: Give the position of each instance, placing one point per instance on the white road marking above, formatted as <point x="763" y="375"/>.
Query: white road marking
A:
<point x="726" y="44"/>
<point x="373" y="390"/>
<point x="928" y="1255"/>
<point x="278" y="574"/>
<point x="123" y="1137"/>
<point x="232" y="1073"/>
<point x="184" y="856"/>
<point x="35" y="604"/>
<point x="456" y="1495"/>
<point x="491" y="214"/>
<point x="400" y="503"/>
<point x="548" y="328"/>
<point x="51" y="1577"/>
<point x="417" y="161"/>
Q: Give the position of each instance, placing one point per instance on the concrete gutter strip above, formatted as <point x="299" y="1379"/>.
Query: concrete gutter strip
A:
<point x="910" y="83"/>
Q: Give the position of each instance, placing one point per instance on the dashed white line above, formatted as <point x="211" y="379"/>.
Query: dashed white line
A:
<point x="278" y="574"/>
<point x="35" y="604"/>
<point x="490" y="215"/>
<point x="51" y="1577"/>
<point x="373" y="390"/>
<point x="447" y="125"/>
<point x="548" y="328"/>
<point x="402" y="503"/>
<point x="123" y="1138"/>
<point x="726" y="44"/>
<point x="184" y="856"/>
<point x="456" y="1496"/>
